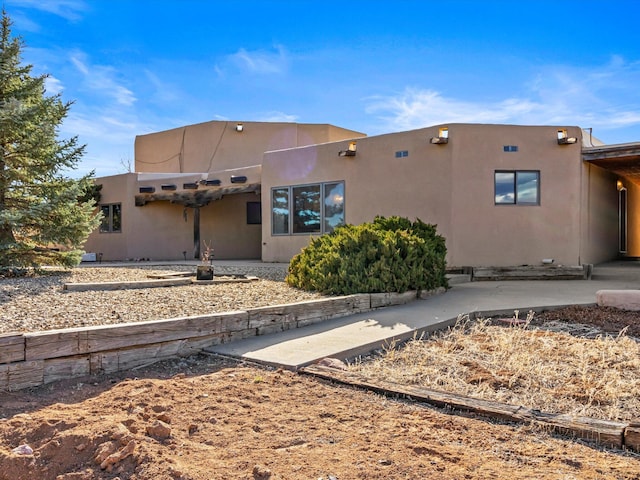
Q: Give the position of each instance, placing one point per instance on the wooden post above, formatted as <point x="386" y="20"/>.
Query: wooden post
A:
<point x="196" y="233"/>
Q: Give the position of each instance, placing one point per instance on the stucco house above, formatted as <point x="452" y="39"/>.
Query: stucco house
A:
<point x="501" y="195"/>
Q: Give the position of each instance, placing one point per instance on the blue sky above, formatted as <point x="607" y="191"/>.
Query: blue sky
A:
<point x="139" y="66"/>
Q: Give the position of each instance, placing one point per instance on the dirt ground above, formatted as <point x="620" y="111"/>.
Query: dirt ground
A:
<point x="208" y="418"/>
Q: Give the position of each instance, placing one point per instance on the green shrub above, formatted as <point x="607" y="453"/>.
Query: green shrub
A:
<point x="388" y="255"/>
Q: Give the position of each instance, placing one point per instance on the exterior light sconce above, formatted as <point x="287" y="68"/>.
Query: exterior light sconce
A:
<point x="147" y="189"/>
<point x="349" y="152"/>
<point x="238" y="179"/>
<point x="620" y="185"/>
<point x="211" y="183"/>
<point x="563" y="139"/>
<point x="190" y="186"/>
<point x="442" y="138"/>
<point x="168" y="187"/>
<point x="239" y="127"/>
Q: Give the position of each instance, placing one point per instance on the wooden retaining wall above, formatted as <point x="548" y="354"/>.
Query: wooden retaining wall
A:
<point x="530" y="272"/>
<point x="33" y="359"/>
<point x="605" y="432"/>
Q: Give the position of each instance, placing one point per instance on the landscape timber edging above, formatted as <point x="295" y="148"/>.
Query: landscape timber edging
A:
<point x="604" y="432"/>
<point x="37" y="358"/>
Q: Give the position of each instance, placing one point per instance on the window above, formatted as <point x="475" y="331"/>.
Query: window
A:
<point x="510" y="148"/>
<point x="402" y="153"/>
<point x="304" y="209"/>
<point x="280" y="211"/>
<point x="254" y="213"/>
<point x="519" y="187"/>
<point x="111" y="218"/>
<point x="333" y="206"/>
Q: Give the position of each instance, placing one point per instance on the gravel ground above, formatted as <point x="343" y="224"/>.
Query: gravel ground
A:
<point x="40" y="303"/>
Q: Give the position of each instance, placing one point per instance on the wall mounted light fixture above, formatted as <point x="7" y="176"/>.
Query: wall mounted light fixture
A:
<point x="442" y="138"/>
<point x="239" y="127"/>
<point x="349" y="152"/>
<point x="564" y="139"/>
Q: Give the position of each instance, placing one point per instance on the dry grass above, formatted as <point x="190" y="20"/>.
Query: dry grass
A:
<point x="521" y="365"/>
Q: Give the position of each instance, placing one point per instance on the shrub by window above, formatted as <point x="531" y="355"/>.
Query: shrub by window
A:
<point x="389" y="255"/>
<point x="517" y="187"/>
<point x="111" y="218"/>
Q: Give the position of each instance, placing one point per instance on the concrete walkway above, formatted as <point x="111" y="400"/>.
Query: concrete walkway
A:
<point x="359" y="334"/>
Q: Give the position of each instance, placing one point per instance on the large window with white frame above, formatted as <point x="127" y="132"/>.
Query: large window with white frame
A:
<point x="304" y="209"/>
<point x="517" y="187"/>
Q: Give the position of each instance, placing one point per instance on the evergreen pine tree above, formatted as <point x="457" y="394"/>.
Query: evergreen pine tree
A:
<point x="45" y="216"/>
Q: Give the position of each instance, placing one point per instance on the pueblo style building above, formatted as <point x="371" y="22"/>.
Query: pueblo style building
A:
<point x="501" y="195"/>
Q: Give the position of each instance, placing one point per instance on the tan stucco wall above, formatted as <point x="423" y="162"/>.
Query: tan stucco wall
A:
<point x="115" y="189"/>
<point x="217" y="145"/>
<point x="376" y="182"/>
<point x="158" y="230"/>
<point x="450" y="185"/>
<point x="224" y="223"/>
<point x="163" y="231"/>
<point x="500" y="235"/>
<point x="599" y="215"/>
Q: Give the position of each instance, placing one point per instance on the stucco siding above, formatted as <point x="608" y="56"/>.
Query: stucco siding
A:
<point x="376" y="182"/>
<point x="224" y="224"/>
<point x="600" y="215"/>
<point x="216" y="145"/>
<point x="450" y="185"/>
<point x="504" y="235"/>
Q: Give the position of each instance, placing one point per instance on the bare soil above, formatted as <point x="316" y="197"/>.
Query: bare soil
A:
<point x="209" y="418"/>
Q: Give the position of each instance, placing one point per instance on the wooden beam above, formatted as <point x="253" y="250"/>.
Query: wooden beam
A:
<point x="11" y="348"/>
<point x="196" y="233"/>
<point x="603" y="431"/>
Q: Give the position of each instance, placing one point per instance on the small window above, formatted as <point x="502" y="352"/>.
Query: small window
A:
<point x="111" y="218"/>
<point x="402" y="153"/>
<point x="254" y="213"/>
<point x="510" y="148"/>
<point x="518" y="187"/>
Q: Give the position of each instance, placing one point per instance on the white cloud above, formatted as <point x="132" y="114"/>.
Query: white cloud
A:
<point x="53" y="85"/>
<point x="262" y="62"/>
<point x="606" y="97"/>
<point x="69" y="9"/>
<point x="276" y="117"/>
<point x="415" y="108"/>
<point x="102" y="79"/>
<point x="162" y="91"/>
